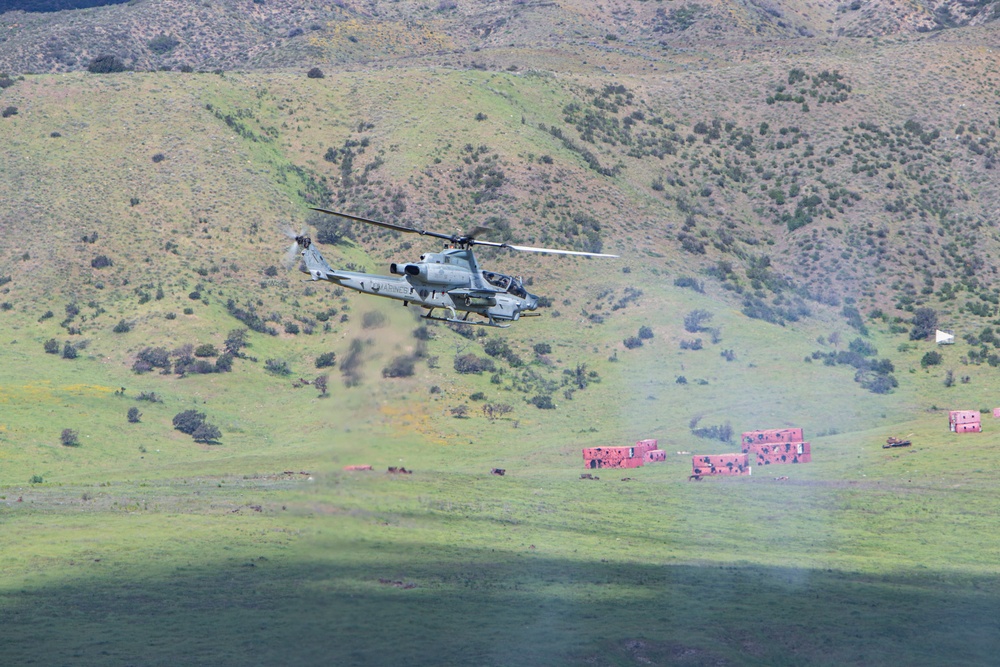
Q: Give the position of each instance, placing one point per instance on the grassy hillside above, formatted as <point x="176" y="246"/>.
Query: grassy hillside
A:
<point x="789" y="205"/>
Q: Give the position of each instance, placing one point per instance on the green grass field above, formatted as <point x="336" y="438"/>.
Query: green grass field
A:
<point x="143" y="547"/>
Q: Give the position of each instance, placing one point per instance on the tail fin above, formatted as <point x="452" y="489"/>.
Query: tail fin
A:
<point x="313" y="261"/>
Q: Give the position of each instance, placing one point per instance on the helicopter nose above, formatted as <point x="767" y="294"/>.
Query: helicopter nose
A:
<point x="532" y="302"/>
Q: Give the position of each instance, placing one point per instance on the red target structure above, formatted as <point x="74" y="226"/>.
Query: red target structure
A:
<point x="965" y="421"/>
<point x="644" y="451"/>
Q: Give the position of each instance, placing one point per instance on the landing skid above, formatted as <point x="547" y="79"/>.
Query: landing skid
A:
<point x="454" y="319"/>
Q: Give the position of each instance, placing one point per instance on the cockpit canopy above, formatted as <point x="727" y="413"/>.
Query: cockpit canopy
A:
<point x="510" y="284"/>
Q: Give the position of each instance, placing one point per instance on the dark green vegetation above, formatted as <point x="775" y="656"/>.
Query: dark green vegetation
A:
<point x="795" y="215"/>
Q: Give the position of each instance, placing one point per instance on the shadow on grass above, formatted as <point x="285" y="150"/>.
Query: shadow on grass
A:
<point x="354" y="605"/>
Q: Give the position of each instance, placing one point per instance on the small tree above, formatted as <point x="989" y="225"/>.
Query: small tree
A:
<point x="924" y="323"/>
<point x="321" y="383"/>
<point x="188" y="421"/>
<point x="134" y="415"/>
<point x="326" y="360"/>
<point x="70" y="438"/>
<point x="207" y="433"/>
<point x="69" y="351"/>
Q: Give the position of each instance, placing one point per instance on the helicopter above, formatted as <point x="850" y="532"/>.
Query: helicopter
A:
<point x="450" y="281"/>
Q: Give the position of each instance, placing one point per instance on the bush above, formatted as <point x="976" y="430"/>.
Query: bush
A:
<point x="206" y="350"/>
<point x="326" y="360"/>
<point x="106" y="65"/>
<point x="69" y="438"/>
<point x="693" y="321"/>
<point x="101" y="262"/>
<point x="924" y="323"/>
<point x="632" y="342"/>
<point x="9" y="111"/>
<point x="471" y="364"/>
<point x="51" y="346"/>
<point x="645" y="333"/>
<point x="122" y="327"/>
<point x="206" y="433"/>
<point x="291" y="328"/>
<point x="188" y="421"/>
<point x="932" y="358"/>
<point x="162" y="44"/>
<point x="277" y="367"/>
<point x="400" y="367"/>
<point x="543" y="402"/>
<point x="315" y="73"/>
<point x="542" y="348"/>
<point x="134" y="415"/>
<point x="69" y="352"/>
<point x="150" y="358"/>
<point x="159" y="157"/>
<point x="36" y="479"/>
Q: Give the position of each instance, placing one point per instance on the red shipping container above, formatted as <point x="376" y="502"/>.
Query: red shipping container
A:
<point x="720" y="464"/>
<point x="974" y="427"/>
<point x="654" y="455"/>
<point x="793" y="452"/>
<point x="611" y="457"/>
<point x="644" y="446"/>
<point x="963" y="416"/>
<point x="773" y="435"/>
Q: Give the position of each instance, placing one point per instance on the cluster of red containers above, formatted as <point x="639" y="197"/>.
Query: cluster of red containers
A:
<point x="720" y="464"/>
<point x="644" y="451"/>
<point x="965" y="421"/>
<point x="777" y="445"/>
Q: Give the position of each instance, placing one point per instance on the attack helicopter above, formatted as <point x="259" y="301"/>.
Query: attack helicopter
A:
<point x="450" y="281"/>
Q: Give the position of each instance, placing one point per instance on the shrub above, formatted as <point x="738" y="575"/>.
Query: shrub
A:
<point x="693" y="321"/>
<point x="9" y="111"/>
<point x="400" y="367"/>
<point x="542" y="348"/>
<point x="70" y="438"/>
<point x="321" y="383"/>
<point x="471" y="364"/>
<point x="326" y="360"/>
<point x="188" y="421"/>
<point x="101" y="262"/>
<point x="36" y="479"/>
<point x="106" y="65"/>
<point x="691" y="344"/>
<point x="277" y="367"/>
<point x="51" y="346"/>
<point x="134" y="415"/>
<point x="924" y="323"/>
<point x="206" y="350"/>
<point x="69" y="351"/>
<point x="162" y="44"/>
<point x="315" y="73"/>
<point x="150" y="358"/>
<point x="932" y="358"/>
<point x="291" y="328"/>
<point x="645" y="333"/>
<point x="543" y="402"/>
<point x="206" y="433"/>
<point x="122" y="327"/>
<point x="159" y="157"/>
<point x="224" y="363"/>
<point x="632" y="342"/>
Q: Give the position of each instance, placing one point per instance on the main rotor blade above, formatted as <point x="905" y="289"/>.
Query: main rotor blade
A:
<point x="524" y="248"/>
<point x="387" y="225"/>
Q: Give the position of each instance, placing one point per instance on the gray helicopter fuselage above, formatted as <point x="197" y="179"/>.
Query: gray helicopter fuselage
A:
<point x="450" y="280"/>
